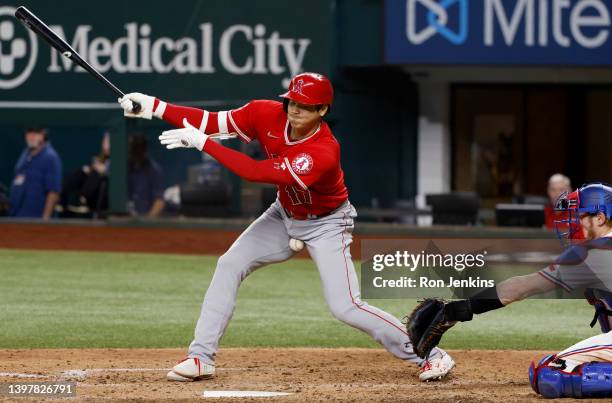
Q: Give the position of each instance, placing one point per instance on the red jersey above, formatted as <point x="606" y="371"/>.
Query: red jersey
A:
<point x="550" y="216"/>
<point x="307" y="172"/>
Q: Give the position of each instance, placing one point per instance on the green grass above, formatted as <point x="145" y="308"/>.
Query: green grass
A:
<point x="88" y="299"/>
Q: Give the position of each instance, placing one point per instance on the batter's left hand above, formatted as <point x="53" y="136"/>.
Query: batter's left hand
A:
<point x="188" y="137"/>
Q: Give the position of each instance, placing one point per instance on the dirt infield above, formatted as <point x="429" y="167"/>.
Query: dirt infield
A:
<point x="308" y="374"/>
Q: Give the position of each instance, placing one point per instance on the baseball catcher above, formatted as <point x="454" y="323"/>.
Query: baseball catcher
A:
<point x="584" y="369"/>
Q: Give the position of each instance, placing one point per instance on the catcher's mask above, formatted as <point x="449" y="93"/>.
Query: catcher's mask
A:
<point x="592" y="199"/>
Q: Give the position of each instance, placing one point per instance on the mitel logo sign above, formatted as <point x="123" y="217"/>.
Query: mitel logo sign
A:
<point x="437" y="20"/>
<point x="525" y="32"/>
<point x="565" y="23"/>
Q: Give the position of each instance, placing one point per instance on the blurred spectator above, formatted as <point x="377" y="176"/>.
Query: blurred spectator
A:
<point x="85" y="191"/>
<point x="557" y="185"/>
<point x="4" y="200"/>
<point x="145" y="189"/>
<point x="38" y="178"/>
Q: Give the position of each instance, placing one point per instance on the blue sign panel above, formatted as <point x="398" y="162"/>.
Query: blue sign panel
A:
<point x="515" y="32"/>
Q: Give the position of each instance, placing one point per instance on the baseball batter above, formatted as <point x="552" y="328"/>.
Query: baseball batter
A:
<point x="312" y="206"/>
<point x="584" y="369"/>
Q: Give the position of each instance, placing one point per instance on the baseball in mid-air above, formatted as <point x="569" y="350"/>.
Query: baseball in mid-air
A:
<point x="296" y="245"/>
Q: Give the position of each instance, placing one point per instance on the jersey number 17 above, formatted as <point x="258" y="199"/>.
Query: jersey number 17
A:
<point x="298" y="196"/>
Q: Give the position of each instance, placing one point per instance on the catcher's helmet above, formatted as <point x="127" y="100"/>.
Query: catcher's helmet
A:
<point x="593" y="198"/>
<point x="310" y="89"/>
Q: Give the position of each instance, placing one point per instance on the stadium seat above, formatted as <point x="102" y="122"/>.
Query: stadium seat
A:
<point x="458" y="208"/>
<point x="205" y="200"/>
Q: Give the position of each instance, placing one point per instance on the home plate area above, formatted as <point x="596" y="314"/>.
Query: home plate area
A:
<point x="292" y="374"/>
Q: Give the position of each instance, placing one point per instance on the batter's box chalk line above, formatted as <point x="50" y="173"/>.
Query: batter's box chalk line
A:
<point x="82" y="373"/>
<point x="241" y="393"/>
<point x="18" y="375"/>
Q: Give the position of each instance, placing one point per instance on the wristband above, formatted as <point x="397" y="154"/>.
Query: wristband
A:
<point x="158" y="111"/>
<point x="464" y="310"/>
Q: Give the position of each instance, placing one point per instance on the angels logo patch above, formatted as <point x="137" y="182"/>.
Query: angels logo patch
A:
<point x="302" y="163"/>
<point x="298" y="87"/>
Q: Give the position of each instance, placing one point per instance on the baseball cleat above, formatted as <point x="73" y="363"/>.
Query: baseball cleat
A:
<point x="173" y="376"/>
<point x="437" y="368"/>
<point x="191" y="369"/>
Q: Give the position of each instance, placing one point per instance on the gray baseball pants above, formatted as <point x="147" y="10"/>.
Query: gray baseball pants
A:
<point x="328" y="240"/>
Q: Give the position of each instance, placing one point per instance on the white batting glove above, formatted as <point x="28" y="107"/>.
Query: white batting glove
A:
<point x="188" y="137"/>
<point x="146" y="106"/>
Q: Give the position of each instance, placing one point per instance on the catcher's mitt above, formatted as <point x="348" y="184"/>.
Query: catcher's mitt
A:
<point x="426" y="325"/>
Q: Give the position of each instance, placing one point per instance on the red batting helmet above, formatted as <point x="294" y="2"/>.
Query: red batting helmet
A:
<point x="310" y="89"/>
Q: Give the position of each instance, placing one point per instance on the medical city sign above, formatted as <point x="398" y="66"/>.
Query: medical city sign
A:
<point x="205" y="51"/>
<point x="527" y="32"/>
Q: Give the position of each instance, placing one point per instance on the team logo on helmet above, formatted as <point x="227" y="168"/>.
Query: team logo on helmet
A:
<point x="302" y="163"/>
<point x="297" y="87"/>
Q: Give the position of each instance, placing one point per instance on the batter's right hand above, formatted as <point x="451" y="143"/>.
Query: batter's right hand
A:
<point x="146" y="105"/>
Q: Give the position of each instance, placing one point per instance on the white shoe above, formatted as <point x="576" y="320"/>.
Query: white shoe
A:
<point x="191" y="369"/>
<point x="436" y="368"/>
<point x="173" y="376"/>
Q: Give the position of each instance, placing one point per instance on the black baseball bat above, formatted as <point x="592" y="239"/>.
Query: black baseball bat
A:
<point x="41" y="29"/>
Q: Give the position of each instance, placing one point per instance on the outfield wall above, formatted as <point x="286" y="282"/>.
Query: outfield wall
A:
<point x="204" y="236"/>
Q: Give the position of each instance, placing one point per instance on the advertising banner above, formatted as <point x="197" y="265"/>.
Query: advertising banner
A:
<point x="498" y="32"/>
